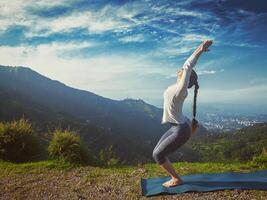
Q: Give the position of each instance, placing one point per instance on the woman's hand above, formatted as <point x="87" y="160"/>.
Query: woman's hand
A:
<point x="205" y="45"/>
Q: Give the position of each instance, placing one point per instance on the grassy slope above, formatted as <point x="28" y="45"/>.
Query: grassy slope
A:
<point x="58" y="180"/>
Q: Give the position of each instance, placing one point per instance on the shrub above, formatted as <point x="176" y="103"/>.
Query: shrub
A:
<point x="18" y="141"/>
<point x="68" y="146"/>
<point x="107" y="157"/>
<point x="261" y="159"/>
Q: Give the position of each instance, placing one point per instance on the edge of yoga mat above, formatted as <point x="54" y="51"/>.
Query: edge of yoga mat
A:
<point x="204" y="188"/>
<point x="143" y="188"/>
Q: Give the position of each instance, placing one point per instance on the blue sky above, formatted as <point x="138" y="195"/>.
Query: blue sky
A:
<point x="121" y="49"/>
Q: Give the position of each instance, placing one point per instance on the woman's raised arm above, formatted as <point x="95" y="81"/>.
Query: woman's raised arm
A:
<point x="191" y="62"/>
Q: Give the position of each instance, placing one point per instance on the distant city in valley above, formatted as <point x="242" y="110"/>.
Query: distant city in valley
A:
<point x="223" y="117"/>
<point x="221" y="123"/>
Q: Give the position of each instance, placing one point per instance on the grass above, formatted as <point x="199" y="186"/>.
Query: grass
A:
<point x="152" y="169"/>
<point x="89" y="180"/>
<point x="186" y="168"/>
<point x="32" y="167"/>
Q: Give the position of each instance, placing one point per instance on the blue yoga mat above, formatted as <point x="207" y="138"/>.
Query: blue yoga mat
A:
<point x="207" y="182"/>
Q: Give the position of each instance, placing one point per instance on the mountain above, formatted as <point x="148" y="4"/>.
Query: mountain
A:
<point x="127" y="117"/>
<point x="14" y="105"/>
<point x="131" y="126"/>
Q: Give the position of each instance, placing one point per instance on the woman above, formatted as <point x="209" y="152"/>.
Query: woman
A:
<point x="181" y="128"/>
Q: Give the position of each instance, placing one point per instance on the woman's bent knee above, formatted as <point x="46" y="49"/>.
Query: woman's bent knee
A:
<point x="160" y="159"/>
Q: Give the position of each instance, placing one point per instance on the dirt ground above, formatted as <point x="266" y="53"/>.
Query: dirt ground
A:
<point x="78" y="184"/>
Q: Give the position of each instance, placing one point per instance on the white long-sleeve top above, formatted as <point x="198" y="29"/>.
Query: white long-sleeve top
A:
<point x="175" y="95"/>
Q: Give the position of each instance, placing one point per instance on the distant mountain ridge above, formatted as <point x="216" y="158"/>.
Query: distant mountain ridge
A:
<point x="105" y="112"/>
<point x="132" y="126"/>
<point x="83" y="105"/>
<point x="101" y="121"/>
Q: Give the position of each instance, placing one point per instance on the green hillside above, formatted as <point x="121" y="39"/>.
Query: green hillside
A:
<point x="234" y="146"/>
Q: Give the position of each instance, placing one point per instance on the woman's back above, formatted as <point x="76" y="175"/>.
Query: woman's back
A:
<point x="173" y="104"/>
<point x="175" y="95"/>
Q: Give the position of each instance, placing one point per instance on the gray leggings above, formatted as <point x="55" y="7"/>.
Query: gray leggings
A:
<point x="170" y="141"/>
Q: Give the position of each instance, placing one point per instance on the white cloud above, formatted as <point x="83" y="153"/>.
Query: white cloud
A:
<point x="105" y="75"/>
<point x="24" y="54"/>
<point x="182" y="12"/>
<point x="250" y="95"/>
<point x="12" y="13"/>
<point x="99" y="74"/>
<point x="203" y="72"/>
<point x="109" y="18"/>
<point x="206" y="72"/>
<point x="94" y="22"/>
<point x="196" y="37"/>
<point x="15" y="12"/>
<point x="132" y="38"/>
<point x="170" y="52"/>
<point x="240" y="44"/>
<point x="258" y="80"/>
<point x="64" y="46"/>
<point x="177" y="11"/>
<point x="172" y="47"/>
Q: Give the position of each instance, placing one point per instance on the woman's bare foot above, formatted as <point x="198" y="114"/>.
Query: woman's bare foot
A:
<point x="173" y="182"/>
